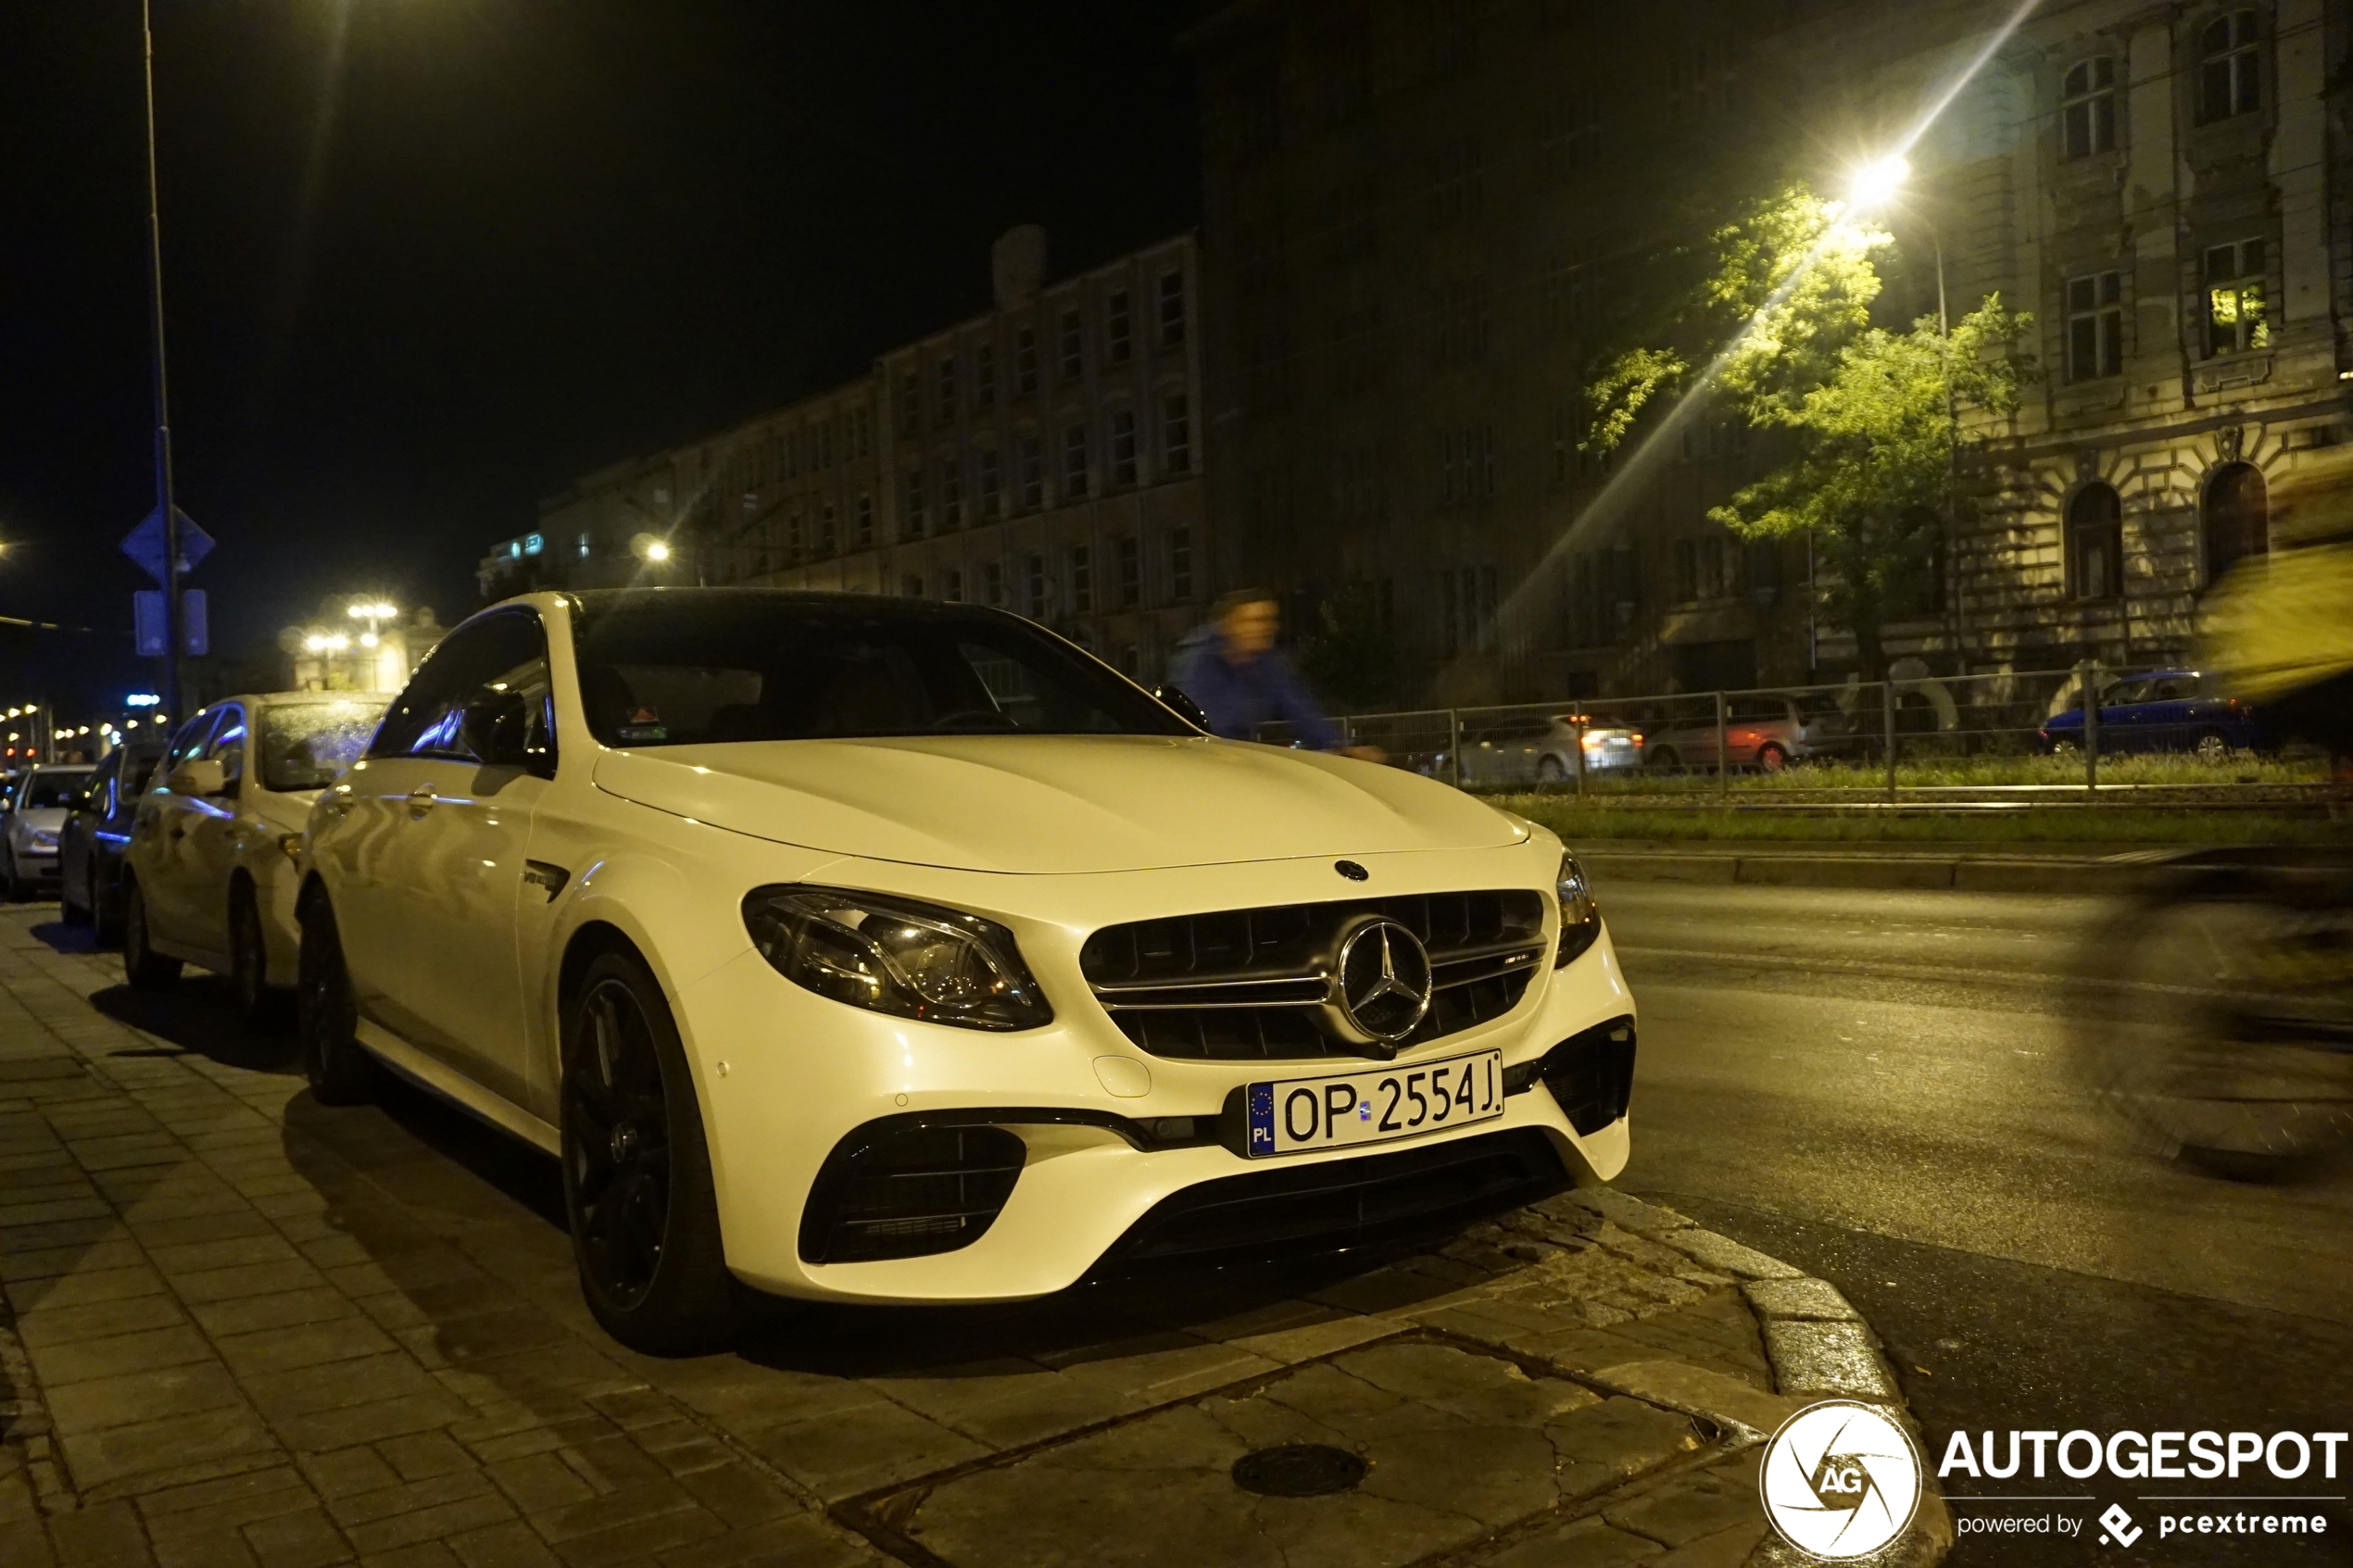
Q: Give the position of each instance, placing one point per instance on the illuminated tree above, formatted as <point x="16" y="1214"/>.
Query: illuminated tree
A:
<point x="1878" y="422"/>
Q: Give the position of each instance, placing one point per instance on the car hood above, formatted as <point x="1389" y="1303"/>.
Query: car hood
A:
<point x="1054" y="804"/>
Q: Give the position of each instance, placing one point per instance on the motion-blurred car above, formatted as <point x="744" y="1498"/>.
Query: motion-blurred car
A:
<point x="1766" y="731"/>
<point x="2162" y="710"/>
<point x="37" y="808"/>
<point x="1609" y="748"/>
<point x="210" y="875"/>
<point x="97" y="830"/>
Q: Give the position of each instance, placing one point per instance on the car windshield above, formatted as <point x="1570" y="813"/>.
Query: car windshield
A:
<point x="44" y="791"/>
<point x="684" y="668"/>
<point x="307" y="745"/>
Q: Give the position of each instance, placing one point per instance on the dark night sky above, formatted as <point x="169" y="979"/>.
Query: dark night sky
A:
<point x="427" y="260"/>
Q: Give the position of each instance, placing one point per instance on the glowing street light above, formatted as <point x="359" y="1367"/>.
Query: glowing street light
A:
<point x="653" y="549"/>
<point x="1875" y="183"/>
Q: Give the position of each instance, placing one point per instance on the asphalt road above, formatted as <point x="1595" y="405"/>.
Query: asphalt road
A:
<point x="1875" y="1087"/>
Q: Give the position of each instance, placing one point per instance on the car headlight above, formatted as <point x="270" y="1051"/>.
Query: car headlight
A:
<point x="1580" y="917"/>
<point x="44" y="839"/>
<point x="290" y="845"/>
<point x="895" y="956"/>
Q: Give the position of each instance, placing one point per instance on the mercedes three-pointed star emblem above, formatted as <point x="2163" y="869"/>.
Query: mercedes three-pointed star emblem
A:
<point x="1381" y="983"/>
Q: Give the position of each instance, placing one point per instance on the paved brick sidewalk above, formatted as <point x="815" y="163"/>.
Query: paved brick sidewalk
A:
<point x="240" y="1328"/>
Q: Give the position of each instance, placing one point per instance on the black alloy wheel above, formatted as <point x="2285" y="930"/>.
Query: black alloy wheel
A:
<point x="146" y="968"/>
<point x="637" y="1187"/>
<point x="327" y="1018"/>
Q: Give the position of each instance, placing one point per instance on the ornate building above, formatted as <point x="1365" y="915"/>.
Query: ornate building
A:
<point x="1420" y="221"/>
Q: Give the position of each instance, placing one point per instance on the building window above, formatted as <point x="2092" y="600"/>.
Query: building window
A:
<point x="2087" y="114"/>
<point x="2236" y="305"/>
<point x="1033" y="474"/>
<point x="911" y="403"/>
<point x="1025" y="362"/>
<point x="911" y="587"/>
<point x="2094" y="326"/>
<point x="796" y="539"/>
<point x="991" y="486"/>
<point x="992" y="585"/>
<point x="532" y="543"/>
<point x="1176" y="434"/>
<point x="951" y="497"/>
<point x="985" y="377"/>
<point x="1037" y="586"/>
<point x="951" y="587"/>
<point x="910" y="499"/>
<point x="948" y="389"/>
<point x="1181" y="563"/>
<point x="862" y="431"/>
<point x="825" y="443"/>
<point x="826" y="535"/>
<point x="1172" y="309"/>
<point x="2238" y="519"/>
<point x="1119" y="327"/>
<point x="1123" y="447"/>
<point x="1082" y="580"/>
<point x="1074" y="462"/>
<point x="2229" y="75"/>
<point x="1131" y="572"/>
<point x="863" y="522"/>
<point x="2095" y="543"/>
<point x="1074" y="345"/>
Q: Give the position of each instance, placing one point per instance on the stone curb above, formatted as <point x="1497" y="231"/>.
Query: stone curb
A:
<point x="1965" y="873"/>
<point x="1819" y="1346"/>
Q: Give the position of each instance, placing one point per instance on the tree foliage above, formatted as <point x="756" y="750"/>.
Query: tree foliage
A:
<point x="1878" y="422"/>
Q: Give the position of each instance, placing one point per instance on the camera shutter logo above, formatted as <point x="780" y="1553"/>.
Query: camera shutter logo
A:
<point x="1841" y="1480"/>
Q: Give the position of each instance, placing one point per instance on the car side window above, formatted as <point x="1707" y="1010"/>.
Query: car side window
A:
<point x="227" y="744"/>
<point x="504" y="650"/>
<point x="189" y="742"/>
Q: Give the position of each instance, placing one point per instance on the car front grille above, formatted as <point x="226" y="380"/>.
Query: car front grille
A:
<point x="1370" y="1199"/>
<point x="1253" y="984"/>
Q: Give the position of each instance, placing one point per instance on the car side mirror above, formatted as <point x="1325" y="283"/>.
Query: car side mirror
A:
<point x="493" y="729"/>
<point x="1174" y="699"/>
<point x="198" y="776"/>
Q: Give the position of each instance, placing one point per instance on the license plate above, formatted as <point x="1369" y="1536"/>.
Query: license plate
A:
<point x="1297" y="1115"/>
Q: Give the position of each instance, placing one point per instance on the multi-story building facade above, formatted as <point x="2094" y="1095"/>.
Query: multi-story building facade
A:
<point x="1423" y="223"/>
<point x="1045" y="457"/>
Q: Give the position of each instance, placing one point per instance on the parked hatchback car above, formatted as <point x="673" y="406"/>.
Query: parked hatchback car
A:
<point x="883" y="951"/>
<point x="2162" y="710"/>
<point x="90" y="844"/>
<point x="37" y="808"/>
<point x="211" y="874"/>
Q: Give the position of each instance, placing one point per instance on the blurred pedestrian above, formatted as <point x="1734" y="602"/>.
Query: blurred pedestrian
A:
<point x="1231" y="666"/>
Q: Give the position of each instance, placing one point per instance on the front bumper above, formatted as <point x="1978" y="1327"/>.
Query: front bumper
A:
<point x="35" y="864"/>
<point x="1107" y="1134"/>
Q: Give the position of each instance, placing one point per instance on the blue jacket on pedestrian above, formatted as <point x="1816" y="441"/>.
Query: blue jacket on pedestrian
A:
<point x="1239" y="697"/>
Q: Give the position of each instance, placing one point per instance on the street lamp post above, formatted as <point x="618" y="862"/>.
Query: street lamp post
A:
<point x="164" y="507"/>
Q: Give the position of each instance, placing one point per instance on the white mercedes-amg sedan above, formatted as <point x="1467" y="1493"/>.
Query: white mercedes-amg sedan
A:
<point x="879" y="950"/>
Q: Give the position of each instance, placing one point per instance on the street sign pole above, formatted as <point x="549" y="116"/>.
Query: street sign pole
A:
<point x="171" y="514"/>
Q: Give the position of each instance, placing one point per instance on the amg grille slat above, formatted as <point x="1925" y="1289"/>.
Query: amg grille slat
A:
<point x="1170" y="984"/>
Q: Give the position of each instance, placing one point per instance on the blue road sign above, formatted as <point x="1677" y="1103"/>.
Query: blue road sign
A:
<point x="144" y="543"/>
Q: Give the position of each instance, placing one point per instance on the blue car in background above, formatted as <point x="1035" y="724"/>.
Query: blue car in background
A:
<point x="2163" y="710"/>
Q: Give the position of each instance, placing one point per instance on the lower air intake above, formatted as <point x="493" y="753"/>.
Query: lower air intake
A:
<point x="1371" y="1199"/>
<point x="901" y="1188"/>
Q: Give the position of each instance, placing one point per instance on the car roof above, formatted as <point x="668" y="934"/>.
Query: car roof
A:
<point x="63" y="767"/>
<point x="604" y="599"/>
<point x="290" y="699"/>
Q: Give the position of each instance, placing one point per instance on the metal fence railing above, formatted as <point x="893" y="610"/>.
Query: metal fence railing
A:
<point x="2016" y="734"/>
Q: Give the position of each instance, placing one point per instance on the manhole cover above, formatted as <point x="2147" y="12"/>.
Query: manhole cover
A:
<point x="1298" y="1469"/>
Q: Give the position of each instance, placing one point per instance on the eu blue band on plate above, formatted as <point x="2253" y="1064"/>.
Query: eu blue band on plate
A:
<point x="1262" y="1117"/>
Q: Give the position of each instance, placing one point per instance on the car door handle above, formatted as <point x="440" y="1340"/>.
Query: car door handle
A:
<point x="421" y="800"/>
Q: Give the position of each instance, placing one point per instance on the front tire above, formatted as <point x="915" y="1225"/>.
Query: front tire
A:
<point x="636" y="1170"/>
<point x="2211" y="747"/>
<point x="146" y="968"/>
<point x="1771" y="759"/>
<point x="249" y="961"/>
<point x="1665" y="758"/>
<point x="327" y="1018"/>
<point x="1549" y="770"/>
